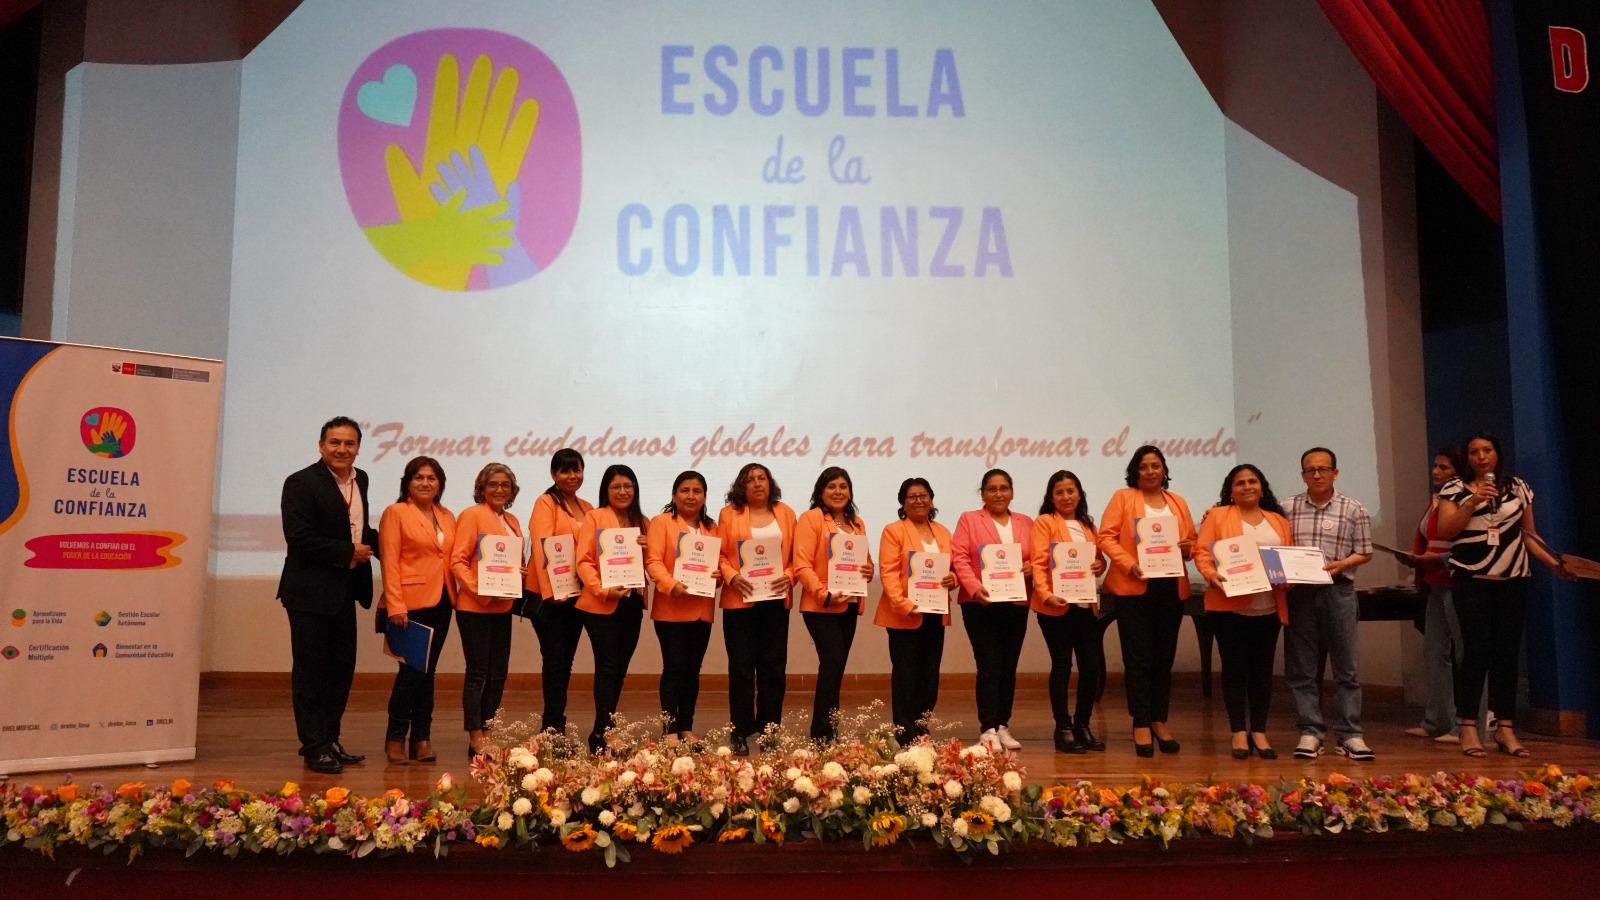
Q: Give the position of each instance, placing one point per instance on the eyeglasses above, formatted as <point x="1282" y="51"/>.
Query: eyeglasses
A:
<point x="498" y="486"/>
<point x="1318" y="470"/>
<point x="917" y="498"/>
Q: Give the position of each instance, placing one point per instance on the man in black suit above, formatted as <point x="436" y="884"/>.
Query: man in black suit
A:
<point x="327" y="571"/>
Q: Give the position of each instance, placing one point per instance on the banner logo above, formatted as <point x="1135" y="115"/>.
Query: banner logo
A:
<point x="10" y="652"/>
<point x="461" y="157"/>
<point x="108" y="432"/>
<point x="19" y="617"/>
<point x="99" y="651"/>
<point x="103" y="619"/>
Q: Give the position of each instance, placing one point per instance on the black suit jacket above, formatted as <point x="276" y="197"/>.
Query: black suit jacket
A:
<point x="316" y="525"/>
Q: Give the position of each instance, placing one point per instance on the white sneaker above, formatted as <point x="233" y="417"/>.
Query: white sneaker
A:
<point x="1310" y="747"/>
<point x="1006" y="740"/>
<point x="1355" y="748"/>
<point x="989" y="740"/>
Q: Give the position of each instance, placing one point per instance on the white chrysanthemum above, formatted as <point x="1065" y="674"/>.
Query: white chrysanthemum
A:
<point x="648" y="778"/>
<point x="765" y="771"/>
<point x="558" y="817"/>
<point x="530" y="783"/>
<point x="953" y="789"/>
<point x="804" y="785"/>
<point x="522" y="806"/>
<point x="791" y="805"/>
<point x="544" y="776"/>
<point x="682" y="766"/>
<point x="861" y="796"/>
<point x="504" y="821"/>
<point x="833" y="770"/>
<point x="835" y="798"/>
<point x="608" y="818"/>
<point x="929" y="820"/>
<point x="627" y="778"/>
<point x="721" y="792"/>
<point x="523" y="758"/>
<point x="746" y="781"/>
<point x="717" y="809"/>
<point x="791" y="773"/>
<point x="1013" y="781"/>
<point x="889" y="771"/>
<point x="996" y="807"/>
<point x="724" y="752"/>
<point x="976" y="751"/>
<point x="590" y="796"/>
<point x="959" y="826"/>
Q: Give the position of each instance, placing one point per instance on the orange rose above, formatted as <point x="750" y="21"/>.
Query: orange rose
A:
<point x="393" y="794"/>
<point x="1537" y="789"/>
<point x="1582" y="783"/>
<point x="1552" y="771"/>
<point x="289" y="789"/>
<point x="179" y="787"/>
<point x="1339" y="781"/>
<point x="224" y="786"/>
<point x="1108" y="798"/>
<point x="1292" y="797"/>
<point x="133" y="790"/>
<point x="336" y="797"/>
<point x="67" y="793"/>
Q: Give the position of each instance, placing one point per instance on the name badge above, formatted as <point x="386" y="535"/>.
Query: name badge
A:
<point x="1493" y="536"/>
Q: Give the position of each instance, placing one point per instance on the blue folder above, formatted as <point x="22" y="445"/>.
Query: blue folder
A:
<point x="410" y="644"/>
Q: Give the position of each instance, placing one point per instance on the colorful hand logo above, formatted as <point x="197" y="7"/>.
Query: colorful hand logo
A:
<point x="109" y="430"/>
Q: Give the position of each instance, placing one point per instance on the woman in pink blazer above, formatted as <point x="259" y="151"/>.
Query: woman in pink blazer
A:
<point x="415" y="537"/>
<point x="996" y="629"/>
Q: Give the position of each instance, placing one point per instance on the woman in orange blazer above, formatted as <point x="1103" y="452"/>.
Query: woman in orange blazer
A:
<point x="830" y="619"/>
<point x="557" y="513"/>
<point x="484" y="623"/>
<point x="1068" y="628"/>
<point x="1246" y="626"/>
<point x="756" y="632"/>
<point x="916" y="640"/>
<point x="1149" y="610"/>
<point x="415" y="537"/>
<point x="996" y="630"/>
<point x="611" y="616"/>
<point x="682" y="619"/>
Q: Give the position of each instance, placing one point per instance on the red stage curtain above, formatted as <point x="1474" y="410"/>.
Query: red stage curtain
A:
<point x="1431" y="59"/>
<point x="13" y="9"/>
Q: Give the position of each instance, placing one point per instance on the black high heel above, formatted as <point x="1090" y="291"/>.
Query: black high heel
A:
<point x="1144" y="751"/>
<point x="1263" y="752"/>
<point x="1519" y="751"/>
<point x="1241" y="753"/>
<point x="1167" y="745"/>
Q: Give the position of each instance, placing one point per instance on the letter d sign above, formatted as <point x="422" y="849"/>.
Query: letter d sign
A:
<point x="1569" y="59"/>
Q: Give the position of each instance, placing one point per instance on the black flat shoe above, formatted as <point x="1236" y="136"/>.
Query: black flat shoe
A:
<point x="323" y="762"/>
<point x="1066" y="742"/>
<point x="1086" y="737"/>
<point x="1167" y="745"/>
<point x="740" y="745"/>
<point x="597" y="743"/>
<point x="345" y="757"/>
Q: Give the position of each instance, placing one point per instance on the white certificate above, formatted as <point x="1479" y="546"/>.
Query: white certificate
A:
<point x="621" y="559"/>
<point x="1159" y="554"/>
<point x="698" y="555"/>
<point x="560" y="566"/>
<point x="1072" y="571"/>
<point x="1240" y="563"/>
<point x="499" y="565"/>
<point x="1295" y="565"/>
<point x="925" y="588"/>
<point x="1001" y="572"/>
<point x="761" y="564"/>
<point x="847" y="564"/>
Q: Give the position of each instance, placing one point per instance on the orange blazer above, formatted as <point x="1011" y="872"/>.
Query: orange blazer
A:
<point x="899" y="541"/>
<point x="811" y="561"/>
<point x="475" y="522"/>
<point x="593" y="599"/>
<point x="1118" y="539"/>
<point x="548" y="519"/>
<point x="660" y="555"/>
<point x="1048" y="529"/>
<point x="734" y="526"/>
<point x="1221" y="523"/>
<point x="416" y="567"/>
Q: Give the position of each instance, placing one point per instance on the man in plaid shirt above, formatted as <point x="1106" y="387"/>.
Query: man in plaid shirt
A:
<point x="1323" y="618"/>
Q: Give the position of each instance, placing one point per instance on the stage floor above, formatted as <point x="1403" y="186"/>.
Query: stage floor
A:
<point x="246" y="733"/>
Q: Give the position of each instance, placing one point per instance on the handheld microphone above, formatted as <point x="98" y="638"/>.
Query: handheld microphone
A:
<point x="1494" y="503"/>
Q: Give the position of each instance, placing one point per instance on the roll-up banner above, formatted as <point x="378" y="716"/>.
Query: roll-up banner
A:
<point x="106" y="482"/>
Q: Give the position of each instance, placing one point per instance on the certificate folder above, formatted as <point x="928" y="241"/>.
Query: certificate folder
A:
<point x="409" y="644"/>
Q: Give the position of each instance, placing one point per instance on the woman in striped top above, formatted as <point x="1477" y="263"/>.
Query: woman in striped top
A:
<point x="1485" y="519"/>
<point x="1442" y="645"/>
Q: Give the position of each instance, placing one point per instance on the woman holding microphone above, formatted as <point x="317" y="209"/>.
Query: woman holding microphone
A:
<point x="916" y="639"/>
<point x="484" y="623"/>
<point x="682" y="619"/>
<point x="1246" y="626"/>
<point x="756" y="631"/>
<point x="1487" y="517"/>
<point x="1068" y="628"/>
<point x="995" y="628"/>
<point x="415" y="537"/>
<point x="558" y="512"/>
<point x="830" y="618"/>
<point x="1149" y="610"/>
<point x="611" y="616"/>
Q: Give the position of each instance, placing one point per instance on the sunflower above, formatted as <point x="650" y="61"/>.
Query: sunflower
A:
<point x="729" y="835"/>
<point x="886" y="828"/>
<point x="978" y="822"/>
<point x="771" y="827"/>
<point x="625" y="830"/>
<point x="672" y="838"/>
<point x="578" y="839"/>
<point x="487" y="840"/>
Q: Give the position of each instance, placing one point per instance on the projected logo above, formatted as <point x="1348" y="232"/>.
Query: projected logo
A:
<point x="108" y="432"/>
<point x="460" y="154"/>
<point x="19" y="617"/>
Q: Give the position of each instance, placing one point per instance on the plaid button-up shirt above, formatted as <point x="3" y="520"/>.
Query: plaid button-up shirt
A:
<point x="1338" y="528"/>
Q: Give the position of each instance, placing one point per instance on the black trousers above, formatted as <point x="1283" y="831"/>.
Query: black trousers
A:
<point x="559" y="626"/>
<point x="411" y="699"/>
<point x="323" y="649"/>
<point x="612" y="638"/>
<point x="832" y="633"/>
<point x="914" y="658"/>
<point x="996" y="631"/>
<point x="1147" y="626"/>
<point x="1492" y="613"/>
<point x="757" y="639"/>
<point x="683" y="649"/>
<point x="486" y="644"/>
<point x="1248" y="645"/>
<point x="1074" y="632"/>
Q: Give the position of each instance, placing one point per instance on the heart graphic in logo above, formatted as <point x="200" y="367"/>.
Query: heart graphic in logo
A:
<point x="391" y="100"/>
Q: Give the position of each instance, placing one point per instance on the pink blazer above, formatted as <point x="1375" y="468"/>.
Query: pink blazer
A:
<point x="976" y="528"/>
